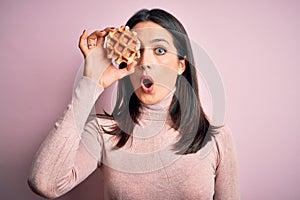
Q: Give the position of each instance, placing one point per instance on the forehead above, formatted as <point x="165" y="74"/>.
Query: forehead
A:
<point x="149" y="31"/>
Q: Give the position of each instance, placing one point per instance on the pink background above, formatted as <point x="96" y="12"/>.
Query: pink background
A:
<point x="255" y="46"/>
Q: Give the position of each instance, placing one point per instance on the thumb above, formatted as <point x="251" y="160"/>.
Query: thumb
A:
<point x="131" y="67"/>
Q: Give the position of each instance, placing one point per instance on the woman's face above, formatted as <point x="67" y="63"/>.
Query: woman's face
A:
<point x="157" y="69"/>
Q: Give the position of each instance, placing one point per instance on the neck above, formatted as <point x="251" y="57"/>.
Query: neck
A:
<point x="158" y="111"/>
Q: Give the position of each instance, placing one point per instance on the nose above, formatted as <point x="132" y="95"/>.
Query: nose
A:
<point x="145" y="67"/>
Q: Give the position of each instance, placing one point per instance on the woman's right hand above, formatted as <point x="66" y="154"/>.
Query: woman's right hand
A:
<point x="97" y="66"/>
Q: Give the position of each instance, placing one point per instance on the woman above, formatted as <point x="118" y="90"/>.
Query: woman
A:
<point x="157" y="143"/>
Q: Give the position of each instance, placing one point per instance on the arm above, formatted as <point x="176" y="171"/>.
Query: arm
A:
<point x="226" y="181"/>
<point x="73" y="148"/>
<point x="71" y="151"/>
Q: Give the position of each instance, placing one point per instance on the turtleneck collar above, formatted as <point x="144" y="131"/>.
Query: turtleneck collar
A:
<point x="158" y="111"/>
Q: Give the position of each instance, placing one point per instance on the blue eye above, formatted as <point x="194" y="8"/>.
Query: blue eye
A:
<point x="160" y="51"/>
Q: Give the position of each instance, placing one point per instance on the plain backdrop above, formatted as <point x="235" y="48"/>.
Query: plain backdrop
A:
<point x="254" y="45"/>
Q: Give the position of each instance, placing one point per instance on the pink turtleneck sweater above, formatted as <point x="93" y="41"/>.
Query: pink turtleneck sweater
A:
<point x="145" y="168"/>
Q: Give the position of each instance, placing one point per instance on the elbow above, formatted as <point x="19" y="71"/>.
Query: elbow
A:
<point x="41" y="188"/>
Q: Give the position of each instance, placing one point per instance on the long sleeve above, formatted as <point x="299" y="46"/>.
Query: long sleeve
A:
<point x="72" y="149"/>
<point x="226" y="181"/>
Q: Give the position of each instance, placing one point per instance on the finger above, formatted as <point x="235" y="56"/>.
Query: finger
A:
<point x="131" y="66"/>
<point x="82" y="43"/>
<point x="102" y="34"/>
<point x="95" y="38"/>
<point x="108" y="29"/>
<point x="99" y="35"/>
<point x="92" y="40"/>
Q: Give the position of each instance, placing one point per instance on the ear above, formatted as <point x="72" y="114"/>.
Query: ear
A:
<point x="181" y="66"/>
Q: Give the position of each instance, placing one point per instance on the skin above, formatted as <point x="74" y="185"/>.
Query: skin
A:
<point x="158" y="60"/>
<point x="97" y="67"/>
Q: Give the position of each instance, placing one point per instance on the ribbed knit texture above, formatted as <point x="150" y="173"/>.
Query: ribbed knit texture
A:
<point x="145" y="168"/>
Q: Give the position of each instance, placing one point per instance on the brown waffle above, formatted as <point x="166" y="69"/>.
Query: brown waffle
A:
<point x="122" y="45"/>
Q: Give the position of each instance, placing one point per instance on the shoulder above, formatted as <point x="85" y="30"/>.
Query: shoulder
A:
<point x="97" y="123"/>
<point x="105" y="124"/>
<point x="104" y="120"/>
<point x="222" y="134"/>
<point x="216" y="139"/>
<point x="224" y="143"/>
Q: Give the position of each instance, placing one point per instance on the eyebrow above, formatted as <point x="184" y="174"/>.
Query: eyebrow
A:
<point x="160" y="40"/>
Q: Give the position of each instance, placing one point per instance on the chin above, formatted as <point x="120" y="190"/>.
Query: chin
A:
<point x="154" y="97"/>
<point x="148" y="99"/>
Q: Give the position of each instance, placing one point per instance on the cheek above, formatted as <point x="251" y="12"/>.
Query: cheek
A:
<point x="135" y="80"/>
<point x="170" y="61"/>
<point x="166" y="77"/>
<point x="167" y="73"/>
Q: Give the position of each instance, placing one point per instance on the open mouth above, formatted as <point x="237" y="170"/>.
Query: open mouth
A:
<point x="147" y="84"/>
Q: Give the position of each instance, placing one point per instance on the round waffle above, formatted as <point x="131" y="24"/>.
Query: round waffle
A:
<point x="122" y="45"/>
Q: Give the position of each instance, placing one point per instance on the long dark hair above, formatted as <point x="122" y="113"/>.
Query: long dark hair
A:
<point x="186" y="113"/>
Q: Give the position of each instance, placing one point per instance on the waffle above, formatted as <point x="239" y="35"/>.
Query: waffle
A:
<point x="122" y="45"/>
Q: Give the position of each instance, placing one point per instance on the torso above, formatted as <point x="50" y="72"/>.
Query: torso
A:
<point x="149" y="169"/>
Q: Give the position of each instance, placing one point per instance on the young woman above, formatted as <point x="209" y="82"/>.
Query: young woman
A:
<point x="157" y="143"/>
